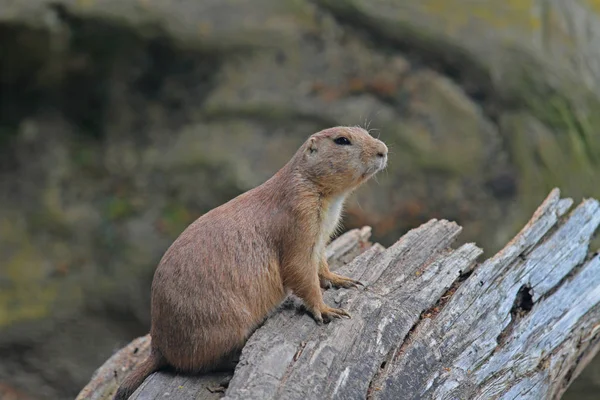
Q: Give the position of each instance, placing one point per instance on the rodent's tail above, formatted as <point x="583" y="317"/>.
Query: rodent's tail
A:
<point x="154" y="362"/>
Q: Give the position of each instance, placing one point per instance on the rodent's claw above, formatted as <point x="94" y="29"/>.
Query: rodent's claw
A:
<point x="356" y="284"/>
<point x="339" y="281"/>
<point x="317" y="317"/>
<point x="325" y="283"/>
<point x="330" y="313"/>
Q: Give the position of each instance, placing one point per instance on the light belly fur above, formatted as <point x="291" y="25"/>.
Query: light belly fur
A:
<point x="330" y="223"/>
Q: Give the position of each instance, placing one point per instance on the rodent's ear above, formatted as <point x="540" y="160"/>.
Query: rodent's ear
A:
<point x="311" y="147"/>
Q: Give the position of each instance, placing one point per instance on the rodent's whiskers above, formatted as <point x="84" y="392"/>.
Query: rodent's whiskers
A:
<point x="365" y="122"/>
<point x="368" y="123"/>
<point x="360" y="119"/>
<point x="387" y="164"/>
<point x="377" y="130"/>
<point x="358" y="202"/>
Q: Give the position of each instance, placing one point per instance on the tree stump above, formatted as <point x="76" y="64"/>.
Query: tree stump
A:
<point x="431" y="323"/>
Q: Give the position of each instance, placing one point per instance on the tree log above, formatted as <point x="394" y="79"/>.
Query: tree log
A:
<point x="431" y="322"/>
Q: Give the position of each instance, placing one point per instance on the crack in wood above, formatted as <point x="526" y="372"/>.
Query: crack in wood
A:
<point x="522" y="305"/>
<point x="432" y="322"/>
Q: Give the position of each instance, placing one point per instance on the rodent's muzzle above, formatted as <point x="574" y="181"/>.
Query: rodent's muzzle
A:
<point x="382" y="162"/>
<point x="377" y="158"/>
<point x="382" y="152"/>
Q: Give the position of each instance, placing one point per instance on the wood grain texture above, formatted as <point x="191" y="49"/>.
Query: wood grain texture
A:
<point x="431" y="322"/>
<point x="104" y="382"/>
<point x="107" y="378"/>
<point x="491" y="342"/>
<point x="291" y="357"/>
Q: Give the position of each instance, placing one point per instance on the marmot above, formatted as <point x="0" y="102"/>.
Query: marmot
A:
<point x="232" y="266"/>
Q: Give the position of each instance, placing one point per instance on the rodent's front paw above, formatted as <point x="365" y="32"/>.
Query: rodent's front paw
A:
<point x="325" y="283"/>
<point x="339" y="281"/>
<point x="317" y="316"/>
<point x="329" y="313"/>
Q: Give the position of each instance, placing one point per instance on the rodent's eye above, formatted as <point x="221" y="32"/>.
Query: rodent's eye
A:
<point x="342" y="140"/>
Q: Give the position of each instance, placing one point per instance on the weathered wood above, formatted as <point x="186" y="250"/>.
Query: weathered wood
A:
<point x="516" y="327"/>
<point x="291" y="357"/>
<point x="431" y="323"/>
<point x="107" y="378"/>
<point x="104" y="381"/>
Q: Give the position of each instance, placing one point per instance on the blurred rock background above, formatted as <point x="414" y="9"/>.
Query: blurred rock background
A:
<point x="121" y="121"/>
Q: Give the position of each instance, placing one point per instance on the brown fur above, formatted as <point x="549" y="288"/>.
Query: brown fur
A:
<point x="236" y="263"/>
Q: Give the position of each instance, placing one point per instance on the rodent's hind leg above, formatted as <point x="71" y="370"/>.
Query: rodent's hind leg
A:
<point x="227" y="362"/>
<point x="328" y="279"/>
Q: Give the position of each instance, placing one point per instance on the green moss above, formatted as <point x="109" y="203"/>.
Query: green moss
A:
<point x="573" y="125"/>
<point x="29" y="293"/>
<point x="546" y="159"/>
<point x="85" y="157"/>
<point x="552" y="137"/>
<point x="118" y="208"/>
<point x="594" y="5"/>
<point x="573" y="133"/>
<point x="50" y="222"/>
<point x="456" y="15"/>
<point x="26" y="303"/>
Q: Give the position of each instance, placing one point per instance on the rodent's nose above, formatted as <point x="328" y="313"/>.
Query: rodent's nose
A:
<point x="382" y="150"/>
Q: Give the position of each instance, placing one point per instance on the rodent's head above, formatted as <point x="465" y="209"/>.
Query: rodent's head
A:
<point x="340" y="159"/>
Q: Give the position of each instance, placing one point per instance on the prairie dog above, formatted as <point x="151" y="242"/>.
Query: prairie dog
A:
<point x="232" y="266"/>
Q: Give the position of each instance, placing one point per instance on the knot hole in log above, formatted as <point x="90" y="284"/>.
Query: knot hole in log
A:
<point x="522" y="305"/>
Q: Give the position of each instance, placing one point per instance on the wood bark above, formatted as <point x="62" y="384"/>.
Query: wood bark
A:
<point x="431" y="323"/>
